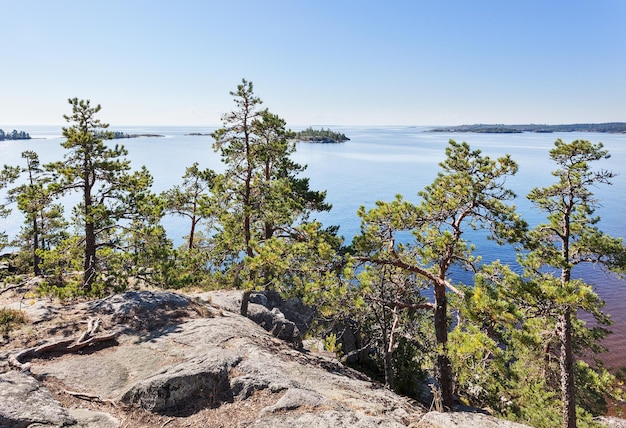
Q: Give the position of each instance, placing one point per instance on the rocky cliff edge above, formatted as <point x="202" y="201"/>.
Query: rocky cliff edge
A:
<point x="161" y="359"/>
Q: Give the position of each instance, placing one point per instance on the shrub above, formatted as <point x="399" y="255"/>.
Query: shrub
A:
<point x="10" y="319"/>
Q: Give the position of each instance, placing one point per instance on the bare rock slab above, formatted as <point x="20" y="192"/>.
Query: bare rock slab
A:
<point x="186" y="361"/>
<point x="23" y="402"/>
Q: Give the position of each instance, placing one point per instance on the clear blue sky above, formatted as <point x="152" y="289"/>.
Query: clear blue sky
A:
<point x="322" y="62"/>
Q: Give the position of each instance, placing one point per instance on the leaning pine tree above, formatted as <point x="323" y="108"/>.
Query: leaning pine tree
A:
<point x="468" y="193"/>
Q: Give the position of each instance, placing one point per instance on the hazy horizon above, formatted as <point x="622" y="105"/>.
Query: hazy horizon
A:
<point x="314" y="125"/>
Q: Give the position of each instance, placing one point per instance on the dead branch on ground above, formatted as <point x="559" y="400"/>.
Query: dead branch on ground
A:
<point x="63" y="346"/>
<point x="90" y="397"/>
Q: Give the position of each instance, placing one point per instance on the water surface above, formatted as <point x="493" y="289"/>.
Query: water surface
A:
<point x="376" y="164"/>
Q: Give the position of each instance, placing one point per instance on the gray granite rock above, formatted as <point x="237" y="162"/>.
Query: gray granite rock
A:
<point x="175" y="363"/>
<point x="23" y="402"/>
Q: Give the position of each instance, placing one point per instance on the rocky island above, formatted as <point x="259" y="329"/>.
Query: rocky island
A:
<point x="322" y="135"/>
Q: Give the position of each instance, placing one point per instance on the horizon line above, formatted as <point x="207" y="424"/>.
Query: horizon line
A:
<point x="61" y="125"/>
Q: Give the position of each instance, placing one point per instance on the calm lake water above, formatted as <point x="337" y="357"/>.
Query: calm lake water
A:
<point x="376" y="164"/>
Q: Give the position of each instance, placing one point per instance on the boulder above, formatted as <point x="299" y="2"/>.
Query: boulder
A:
<point x="202" y="380"/>
<point x="146" y="310"/>
<point x="24" y="402"/>
<point x="268" y="310"/>
<point x="293" y="309"/>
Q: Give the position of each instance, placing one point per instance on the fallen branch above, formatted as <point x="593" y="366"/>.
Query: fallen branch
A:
<point x="11" y="287"/>
<point x="90" y="397"/>
<point x="403" y="305"/>
<point x="350" y="354"/>
<point x="63" y="346"/>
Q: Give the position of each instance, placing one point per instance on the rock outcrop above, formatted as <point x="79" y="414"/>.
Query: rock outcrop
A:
<point x="24" y="402"/>
<point x="188" y="361"/>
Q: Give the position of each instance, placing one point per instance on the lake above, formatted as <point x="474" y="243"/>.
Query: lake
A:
<point x="376" y="164"/>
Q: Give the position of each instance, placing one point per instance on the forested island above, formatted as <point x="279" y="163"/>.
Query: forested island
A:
<point x="15" y="135"/>
<point x="322" y="135"/>
<point x="610" y="127"/>
<point x="119" y="134"/>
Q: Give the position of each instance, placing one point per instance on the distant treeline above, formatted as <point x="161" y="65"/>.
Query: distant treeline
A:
<point x="320" y="136"/>
<point x="119" y="134"/>
<point x="15" y="135"/>
<point x="611" y="127"/>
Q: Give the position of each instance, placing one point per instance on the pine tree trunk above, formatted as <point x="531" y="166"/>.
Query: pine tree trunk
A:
<point x="36" y="261"/>
<point x="444" y="367"/>
<point x="245" y="299"/>
<point x="192" y="232"/>
<point x="566" y="362"/>
<point x="390" y="348"/>
<point x="90" y="257"/>
<point x="388" y="369"/>
<point x="89" y="271"/>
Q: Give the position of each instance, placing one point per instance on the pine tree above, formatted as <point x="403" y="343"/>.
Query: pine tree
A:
<point x="389" y="318"/>
<point x="193" y="199"/>
<point x="569" y="239"/>
<point x="262" y="199"/>
<point x="104" y="179"/>
<point x="467" y="194"/>
<point x="8" y="175"/>
<point x="44" y="222"/>
<point x="530" y="320"/>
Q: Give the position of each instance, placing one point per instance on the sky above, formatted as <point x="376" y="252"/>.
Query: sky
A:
<point x="322" y="62"/>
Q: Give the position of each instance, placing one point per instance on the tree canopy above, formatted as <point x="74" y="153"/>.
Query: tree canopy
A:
<point x="508" y="338"/>
<point x="263" y="202"/>
<point x="14" y="135"/>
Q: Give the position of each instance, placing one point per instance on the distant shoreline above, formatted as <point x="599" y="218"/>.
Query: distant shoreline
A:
<point x="609" y="127"/>
<point x="120" y="135"/>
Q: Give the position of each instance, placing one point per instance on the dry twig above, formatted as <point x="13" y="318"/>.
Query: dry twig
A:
<point x="90" y="397"/>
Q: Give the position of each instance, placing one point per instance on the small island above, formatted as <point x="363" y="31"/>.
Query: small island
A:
<point x="610" y="127"/>
<point x="325" y="136"/>
<point x="15" y="135"/>
<point x="119" y="134"/>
